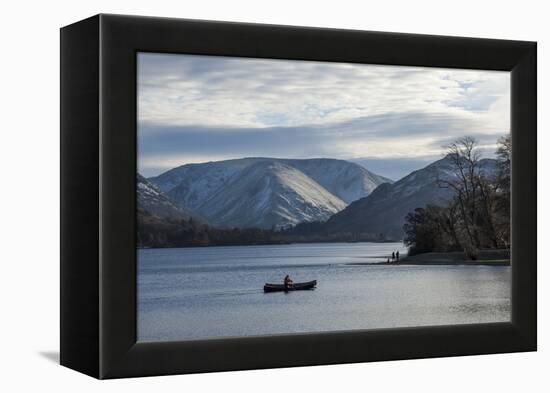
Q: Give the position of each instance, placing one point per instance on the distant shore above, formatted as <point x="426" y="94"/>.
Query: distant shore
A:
<point x="267" y="243"/>
<point x="486" y="258"/>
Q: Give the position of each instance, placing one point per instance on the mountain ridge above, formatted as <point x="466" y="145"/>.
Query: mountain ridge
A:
<point x="155" y="202"/>
<point x="205" y="187"/>
<point x="382" y="213"/>
<point x="272" y="195"/>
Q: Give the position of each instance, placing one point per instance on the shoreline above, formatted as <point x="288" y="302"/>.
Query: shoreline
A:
<point x="486" y="258"/>
<point x="266" y="244"/>
<point x="431" y="263"/>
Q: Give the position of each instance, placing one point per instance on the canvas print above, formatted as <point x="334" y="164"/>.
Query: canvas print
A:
<point x="283" y="196"/>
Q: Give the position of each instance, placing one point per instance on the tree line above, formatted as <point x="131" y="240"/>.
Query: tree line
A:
<point x="478" y="215"/>
<point x="156" y="232"/>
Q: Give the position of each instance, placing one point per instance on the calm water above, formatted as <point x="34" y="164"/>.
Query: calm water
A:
<point x="218" y="291"/>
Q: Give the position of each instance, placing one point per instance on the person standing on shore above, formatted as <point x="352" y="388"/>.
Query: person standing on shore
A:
<point x="393" y="256"/>
<point x="397" y="256"/>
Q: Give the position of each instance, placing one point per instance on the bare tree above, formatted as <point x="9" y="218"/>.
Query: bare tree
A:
<point x="502" y="192"/>
<point x="504" y="160"/>
<point x="478" y="216"/>
<point x="464" y="181"/>
<point x="487" y="200"/>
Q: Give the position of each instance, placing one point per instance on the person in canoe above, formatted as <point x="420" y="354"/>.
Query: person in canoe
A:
<point x="288" y="282"/>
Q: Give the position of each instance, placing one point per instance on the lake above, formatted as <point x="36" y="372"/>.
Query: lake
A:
<point x="206" y="292"/>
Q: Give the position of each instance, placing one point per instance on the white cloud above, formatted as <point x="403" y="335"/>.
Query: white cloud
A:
<point x="349" y="110"/>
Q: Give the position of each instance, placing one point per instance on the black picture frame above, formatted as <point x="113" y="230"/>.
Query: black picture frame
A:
<point x="98" y="206"/>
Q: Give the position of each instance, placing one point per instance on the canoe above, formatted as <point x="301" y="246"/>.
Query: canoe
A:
<point x="297" y="286"/>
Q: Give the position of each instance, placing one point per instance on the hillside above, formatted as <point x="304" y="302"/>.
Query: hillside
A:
<point x="267" y="192"/>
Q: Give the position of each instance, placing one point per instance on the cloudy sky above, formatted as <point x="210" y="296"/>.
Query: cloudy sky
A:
<point x="391" y="119"/>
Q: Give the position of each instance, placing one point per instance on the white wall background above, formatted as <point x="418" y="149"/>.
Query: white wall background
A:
<point x="29" y="194"/>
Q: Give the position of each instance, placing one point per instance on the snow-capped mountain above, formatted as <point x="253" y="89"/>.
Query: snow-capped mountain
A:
<point x="153" y="200"/>
<point x="267" y="191"/>
<point x="383" y="211"/>
<point x="346" y="180"/>
<point x="271" y="194"/>
<point x="191" y="185"/>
